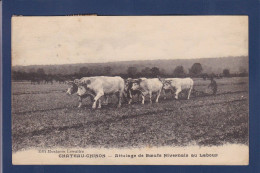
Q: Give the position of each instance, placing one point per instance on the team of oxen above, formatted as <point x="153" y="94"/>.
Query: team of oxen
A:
<point x="104" y="86"/>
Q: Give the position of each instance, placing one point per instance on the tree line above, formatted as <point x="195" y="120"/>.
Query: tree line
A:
<point x="195" y="70"/>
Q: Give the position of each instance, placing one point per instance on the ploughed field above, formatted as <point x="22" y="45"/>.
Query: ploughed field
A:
<point x="43" y="116"/>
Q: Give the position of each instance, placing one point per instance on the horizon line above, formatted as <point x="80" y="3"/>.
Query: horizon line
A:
<point x="127" y="61"/>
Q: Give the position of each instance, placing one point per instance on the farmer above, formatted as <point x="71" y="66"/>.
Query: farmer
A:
<point x="213" y="85"/>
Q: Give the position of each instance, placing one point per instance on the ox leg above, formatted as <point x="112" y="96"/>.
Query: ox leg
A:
<point x="164" y="94"/>
<point x="177" y="93"/>
<point x="130" y="101"/>
<point x="120" y="94"/>
<point x="138" y="97"/>
<point x="99" y="103"/>
<point x="130" y="97"/>
<point x="125" y="97"/>
<point x="158" y="95"/>
<point x="150" y="95"/>
<point x="106" y="100"/>
<point x="96" y="99"/>
<point x="80" y="102"/>
<point x="189" y="93"/>
<point x="143" y="97"/>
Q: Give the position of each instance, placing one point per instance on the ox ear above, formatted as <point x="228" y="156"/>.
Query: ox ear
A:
<point x="87" y="82"/>
<point x="161" y="79"/>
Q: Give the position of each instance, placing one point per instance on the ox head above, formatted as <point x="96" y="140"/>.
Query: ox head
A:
<point x="135" y="85"/>
<point x="167" y="84"/>
<point x="72" y="87"/>
<point x="128" y="84"/>
<point x="82" y="88"/>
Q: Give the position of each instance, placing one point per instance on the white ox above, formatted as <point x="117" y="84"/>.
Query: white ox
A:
<point x="178" y="84"/>
<point x="148" y="86"/>
<point x="101" y="86"/>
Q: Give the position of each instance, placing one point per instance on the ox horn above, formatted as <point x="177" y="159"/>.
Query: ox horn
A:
<point x="69" y="82"/>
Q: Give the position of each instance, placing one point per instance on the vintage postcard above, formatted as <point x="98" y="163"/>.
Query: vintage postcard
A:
<point x="130" y="90"/>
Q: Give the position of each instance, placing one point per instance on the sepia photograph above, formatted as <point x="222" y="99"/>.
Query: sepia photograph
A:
<point x="130" y="90"/>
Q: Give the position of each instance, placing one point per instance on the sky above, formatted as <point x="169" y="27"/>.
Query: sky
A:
<point x="97" y="39"/>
